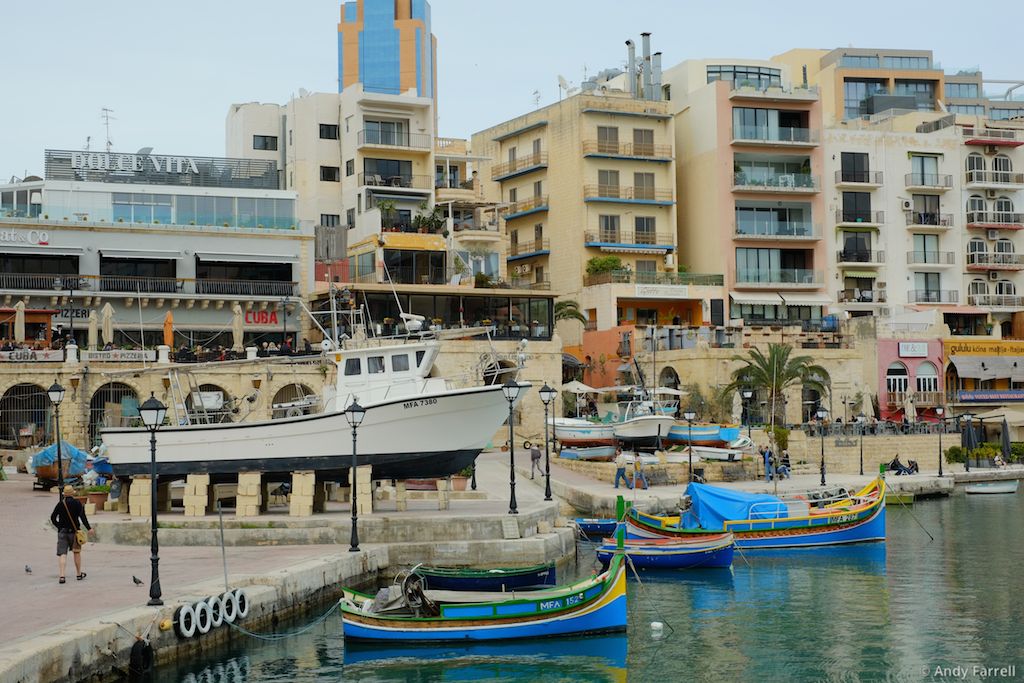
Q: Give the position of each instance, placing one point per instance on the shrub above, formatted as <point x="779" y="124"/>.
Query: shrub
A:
<point x="781" y="438"/>
<point x="603" y="264"/>
<point x="954" y="454"/>
<point x="1017" y="451"/>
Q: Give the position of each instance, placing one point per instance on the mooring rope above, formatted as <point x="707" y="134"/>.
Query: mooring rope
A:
<point x="289" y="634"/>
<point x="643" y="592"/>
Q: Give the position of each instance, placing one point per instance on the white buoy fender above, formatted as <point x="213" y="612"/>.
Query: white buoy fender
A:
<point x="243" y="602"/>
<point x="204" y="617"/>
<point x="230" y="606"/>
<point x="216" y="611"/>
<point x="185" y="621"/>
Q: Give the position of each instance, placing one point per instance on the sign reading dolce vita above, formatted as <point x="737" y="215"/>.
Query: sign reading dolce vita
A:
<point x="98" y="161"/>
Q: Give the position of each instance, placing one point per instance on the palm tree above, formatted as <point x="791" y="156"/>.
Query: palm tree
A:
<point x="569" y="309"/>
<point x="773" y="374"/>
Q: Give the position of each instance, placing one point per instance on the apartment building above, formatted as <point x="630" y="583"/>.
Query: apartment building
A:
<point x="748" y="171"/>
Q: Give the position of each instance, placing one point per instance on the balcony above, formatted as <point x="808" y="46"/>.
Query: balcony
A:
<point x="927" y="220"/>
<point x="396" y="182"/>
<point x="654" y="278"/>
<point x="789" y="231"/>
<point x="931" y="258"/>
<point x="46" y="283"/>
<point x="996" y="300"/>
<point x="246" y="287"/>
<point x="869" y="219"/>
<point x="525" y="207"/>
<point x="923" y="399"/>
<point x="526" y="283"/>
<point x="773" y="93"/>
<point x="994" y="180"/>
<point x="626" y="241"/>
<point x="997" y="260"/>
<point x="995" y="220"/>
<point x="862" y="296"/>
<point x="782" y="278"/>
<point x="380" y="138"/>
<point x="992" y="136"/>
<point x="933" y="296"/>
<point x="140" y="285"/>
<point x="782" y="136"/>
<point x="862" y="257"/>
<point x="410" y="275"/>
<point x="520" y="166"/>
<point x="627" y="194"/>
<point x="521" y="250"/>
<point x="859" y="179"/>
<point x="789" y="183"/>
<point x="928" y="182"/>
<point x="638" y="151"/>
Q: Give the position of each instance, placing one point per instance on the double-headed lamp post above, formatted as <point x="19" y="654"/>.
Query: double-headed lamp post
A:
<point x="862" y="421"/>
<point x="969" y="421"/>
<point x="547" y="395"/>
<point x="689" y="415"/>
<point x="939" y="410"/>
<point x="747" y="394"/>
<point x="354" y="415"/>
<point x="822" y="413"/>
<point x="152" y="412"/>
<point x="511" y="390"/>
<point x="56" y="394"/>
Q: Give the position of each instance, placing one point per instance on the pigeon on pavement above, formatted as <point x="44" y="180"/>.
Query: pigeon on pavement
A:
<point x="28" y="569"/>
<point x="137" y="580"/>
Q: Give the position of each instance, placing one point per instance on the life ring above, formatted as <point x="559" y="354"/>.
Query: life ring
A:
<point x="243" y="602"/>
<point x="294" y="411"/>
<point x="229" y="604"/>
<point x="216" y="611"/>
<point x="185" y="621"/>
<point x="204" y="617"/>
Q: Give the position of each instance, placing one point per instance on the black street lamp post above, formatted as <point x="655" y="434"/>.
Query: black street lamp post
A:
<point x="547" y="395"/>
<point x="56" y="394"/>
<point x="354" y="415"/>
<point x="939" y="410"/>
<point x="70" y="285"/>
<point x="511" y="390"/>
<point x="969" y="418"/>
<point x="689" y="415"/>
<point x="862" y="421"/>
<point x="153" y="412"/>
<point x="822" y="413"/>
<point x="747" y="394"/>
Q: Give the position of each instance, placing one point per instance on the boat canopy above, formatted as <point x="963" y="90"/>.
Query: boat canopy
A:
<point x="712" y="506"/>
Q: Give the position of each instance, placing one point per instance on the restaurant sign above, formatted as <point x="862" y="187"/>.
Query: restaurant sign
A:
<point x="913" y="349"/>
<point x="984" y="348"/>
<point x="120" y="355"/>
<point x="32" y="355"/>
<point x="990" y="395"/>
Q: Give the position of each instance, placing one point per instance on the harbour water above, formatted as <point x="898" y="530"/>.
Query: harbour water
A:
<point x="912" y="609"/>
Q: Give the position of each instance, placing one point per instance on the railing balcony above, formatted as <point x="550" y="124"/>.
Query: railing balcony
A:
<point x="526" y="206"/>
<point x="933" y="296"/>
<point x="925" y="399"/>
<point x="42" y="282"/>
<point x="931" y="258"/>
<point x="996" y="300"/>
<point x="929" y="219"/>
<point x="780" y="276"/>
<point x="862" y="296"/>
<point x="417" y="182"/>
<point x="778" y="230"/>
<point x="783" y="182"/>
<point x="383" y="138"/>
<point x="627" y="237"/>
<point x="847" y="216"/>
<point x="859" y="178"/>
<point x="526" y="283"/>
<point x="782" y="135"/>
<point x="995" y="219"/>
<point x="994" y="260"/>
<point x="766" y="91"/>
<point x="519" y="165"/>
<point x="653" y="278"/>
<point x="141" y="285"/>
<point x="636" y="150"/>
<point x="463" y="224"/>
<point x="627" y="193"/>
<point x="992" y="136"/>
<point x="530" y="247"/>
<point x="996" y="179"/>
<point x="930" y="181"/>
<point x="860" y="256"/>
<point x="246" y="287"/>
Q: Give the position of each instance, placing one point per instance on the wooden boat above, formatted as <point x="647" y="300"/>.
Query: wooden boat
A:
<point x="502" y="579"/>
<point x="1009" y="486"/>
<point x="899" y="498"/>
<point x="763" y="521"/>
<point x="641" y="423"/>
<point x="591" y="453"/>
<point x="670" y="553"/>
<point x="703" y="434"/>
<point x="596" y="528"/>
<point x="407" y="612"/>
<point x="570" y="431"/>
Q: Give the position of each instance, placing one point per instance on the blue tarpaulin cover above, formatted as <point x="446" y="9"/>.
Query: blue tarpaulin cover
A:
<point x="68" y="453"/>
<point x="713" y="505"/>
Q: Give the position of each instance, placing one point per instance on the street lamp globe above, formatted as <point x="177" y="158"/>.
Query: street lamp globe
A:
<point x="747" y="394"/>
<point x="152" y="412"/>
<point x="511" y="390"/>
<point x="822" y="413"/>
<point x="56" y="393"/>
<point x="547" y="394"/>
<point x="689" y="415"/>
<point x="939" y="410"/>
<point x="355" y="414"/>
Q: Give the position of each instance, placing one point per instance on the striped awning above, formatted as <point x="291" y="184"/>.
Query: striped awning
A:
<point x="860" y="273"/>
<point x="756" y="298"/>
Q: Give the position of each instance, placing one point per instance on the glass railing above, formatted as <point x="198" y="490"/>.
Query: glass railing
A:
<point x="781" y="182"/>
<point x="777" y="229"/>
<point x="933" y="296"/>
<point x="782" y="134"/>
<point x="859" y="216"/>
<point x="860" y="256"/>
<point x="941" y="180"/>
<point x="867" y="177"/>
<point x="977" y="177"/>
<point x="862" y="296"/>
<point x="394" y="139"/>
<point x="941" y="258"/>
<point x="996" y="258"/>
<point x="654" y="278"/>
<point x="994" y="218"/>
<point x="938" y="220"/>
<point x="784" y="276"/>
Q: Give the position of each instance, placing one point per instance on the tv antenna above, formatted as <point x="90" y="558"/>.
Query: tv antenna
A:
<point x="88" y="140"/>
<point x="536" y="99"/>
<point x="105" y="114"/>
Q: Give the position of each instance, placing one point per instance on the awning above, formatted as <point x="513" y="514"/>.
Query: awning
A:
<point x="860" y="273"/>
<point x="761" y="298"/>
<point x="804" y="299"/>
<point x="397" y="196"/>
<point x="41" y="250"/>
<point x="165" y="254"/>
<point x="570" y="361"/>
<point x="989" y="367"/>
<point x="968" y="366"/>
<point x="949" y="308"/>
<point x="245" y="258"/>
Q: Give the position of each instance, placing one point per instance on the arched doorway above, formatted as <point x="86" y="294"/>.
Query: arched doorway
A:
<point x="499" y="373"/>
<point x="293" y="400"/>
<point x="668" y="377"/>
<point x="209" y="404"/>
<point x="112" y="405"/>
<point x="25" y="416"/>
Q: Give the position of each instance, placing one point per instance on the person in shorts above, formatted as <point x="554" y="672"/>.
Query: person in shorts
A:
<point x="67" y="516"/>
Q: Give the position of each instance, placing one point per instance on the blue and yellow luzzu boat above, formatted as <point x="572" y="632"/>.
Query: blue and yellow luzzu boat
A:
<point x="704" y="552"/>
<point x="764" y="521"/>
<point x="406" y="612"/>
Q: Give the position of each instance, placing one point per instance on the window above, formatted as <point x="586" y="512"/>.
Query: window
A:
<point x="538" y="189"/>
<point x="328" y="131"/>
<point x="538" y="233"/>
<point x="643" y="227"/>
<point x="856" y="247"/>
<point x="330" y="220"/>
<point x="400" y="363"/>
<point x="267" y="142"/>
<point x="786" y="220"/>
<point x="513" y="195"/>
<point x="926" y="209"/>
<point x="513" y="239"/>
<point x="359" y="202"/>
<point x="330" y="174"/>
<point x="859" y="61"/>
<point x="1005" y="114"/>
<point x="511" y="155"/>
<point x="391" y="172"/>
<point x="607" y="139"/>
<point x="759" y="77"/>
<point x="374" y="365"/>
<point x="928" y="286"/>
<point x="976" y="246"/>
<point x="350" y="218"/>
<point x="923" y="93"/>
<point x="962" y="91"/>
<point x="857" y="207"/>
<point x="975" y="204"/>
<point x="643" y="142"/>
<point x="907" y="62"/>
<point x="971" y="109"/>
<point x="1001" y="167"/>
<point x="1004" y="206"/>
<point x="609" y="228"/>
<point x="975" y="162"/>
<point x="1006" y="288"/>
<point x="926" y="249"/>
<point x="352" y="367"/>
<point x="1004" y="246"/>
<point x="386" y="133"/>
<point x="856" y="92"/>
<point x="927" y="377"/>
<point x="646" y="271"/>
<point x="350" y="167"/>
<point x="420" y="355"/>
<point x="643" y="186"/>
<point x="924" y="170"/>
<point x="855" y="167"/>
<point x="536" y="147"/>
<point x="897" y="380"/>
<point x="977" y="288"/>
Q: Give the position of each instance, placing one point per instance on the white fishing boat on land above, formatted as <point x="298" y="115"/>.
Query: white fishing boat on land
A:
<point x="589" y="453"/>
<point x="577" y="431"/>
<point x="642" y="424"/>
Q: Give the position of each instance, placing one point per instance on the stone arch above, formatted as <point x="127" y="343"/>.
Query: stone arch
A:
<point x="25" y="416"/>
<point x="294" y="399"/>
<point x="212" y="409"/>
<point x="114" y="404"/>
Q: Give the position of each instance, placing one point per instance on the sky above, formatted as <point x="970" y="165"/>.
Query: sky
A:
<point x="169" y="71"/>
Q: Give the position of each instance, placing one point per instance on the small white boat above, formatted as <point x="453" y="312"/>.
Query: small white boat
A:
<point x="641" y="423"/>
<point x="1009" y="486"/>
<point x="712" y="453"/>
<point x="645" y="458"/>
<point x="591" y="453"/>
<point x="574" y="431"/>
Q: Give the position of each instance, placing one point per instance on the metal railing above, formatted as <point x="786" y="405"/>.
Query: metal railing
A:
<point x="472" y="224"/>
<point x="994" y="218"/>
<point x="937" y="220"/>
<point x="649" y="278"/>
<point x="778" y="230"/>
<point x="538" y="159"/>
<point x="526" y="283"/>
<point x="524" y="205"/>
<point x="860" y="256"/>
<point x="933" y="296"/>
<point x="941" y="180"/>
<point x="920" y="398"/>
<point x="994" y="178"/>
<point x="782" y="182"/>
<point x="394" y="139"/>
<point x="41" y="282"/>
<point x="783" y="276"/>
<point x="862" y="296"/>
<point x="627" y="237"/>
<point x="996" y="134"/>
<point x="528" y="247"/>
<point x="1004" y="300"/>
<point x="866" y="177"/>
<point x="641" y="150"/>
<point x="629" y="192"/>
<point x="994" y="258"/>
<point x="781" y="135"/>
<point x="942" y="258"/>
<point x="419" y="182"/>
<point x="848" y="216"/>
<point x="766" y="90"/>
<point x="246" y="287"/>
<point x="142" y="285"/>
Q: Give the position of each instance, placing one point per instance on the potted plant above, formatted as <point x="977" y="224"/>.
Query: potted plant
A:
<point x="97" y="495"/>
<point x="460" y="480"/>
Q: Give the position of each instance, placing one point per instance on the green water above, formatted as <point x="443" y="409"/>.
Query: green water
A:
<point x="898" y="611"/>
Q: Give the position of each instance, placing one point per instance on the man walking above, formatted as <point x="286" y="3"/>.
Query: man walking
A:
<point x="638" y="472"/>
<point x="69" y="516"/>
<point x="620" y="470"/>
<point x="535" y="461"/>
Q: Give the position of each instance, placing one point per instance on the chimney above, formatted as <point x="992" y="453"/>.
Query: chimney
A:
<point x="805" y="75"/>
<point x="645" y="42"/>
<point x="656" y="76"/>
<point x="631" y="68"/>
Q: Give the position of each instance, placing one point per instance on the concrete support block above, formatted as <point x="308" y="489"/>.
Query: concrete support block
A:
<point x="443" y="494"/>
<point x="401" y="497"/>
<point x="320" y="497"/>
<point x="364" y="489"/>
<point x="197" y="495"/>
<point x="301" y="504"/>
<point x="140" y="497"/>
<point x="247" y="495"/>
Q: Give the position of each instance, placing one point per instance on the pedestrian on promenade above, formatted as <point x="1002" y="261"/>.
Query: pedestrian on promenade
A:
<point x="69" y="516"/>
<point x="782" y="468"/>
<point x="767" y="455"/>
<point x="620" y="469"/>
<point x="535" y="461"/>
<point x="638" y="472"/>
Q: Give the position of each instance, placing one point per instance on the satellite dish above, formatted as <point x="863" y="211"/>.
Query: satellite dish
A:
<point x="562" y="83"/>
<point x="145" y="151"/>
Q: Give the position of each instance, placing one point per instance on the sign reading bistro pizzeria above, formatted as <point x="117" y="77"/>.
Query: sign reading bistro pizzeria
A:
<point x="995" y="347"/>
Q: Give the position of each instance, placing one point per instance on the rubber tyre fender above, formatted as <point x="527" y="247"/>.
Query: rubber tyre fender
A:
<point x="204" y="617"/>
<point x="185" y="621"/>
<point x="216" y="611"/>
<point x="243" y="603"/>
<point x="229" y="605"/>
<point x="527" y="444"/>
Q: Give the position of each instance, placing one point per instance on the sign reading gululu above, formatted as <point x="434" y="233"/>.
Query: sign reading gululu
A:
<point x="134" y="163"/>
<point x="984" y="348"/>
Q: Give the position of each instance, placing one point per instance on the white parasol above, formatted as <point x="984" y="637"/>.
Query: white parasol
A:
<point x="107" y="323"/>
<point x="908" y="408"/>
<point x="668" y="391"/>
<point x="19" y="322"/>
<point x="94" y="329"/>
<point x="578" y="388"/>
<point x="237" y="330"/>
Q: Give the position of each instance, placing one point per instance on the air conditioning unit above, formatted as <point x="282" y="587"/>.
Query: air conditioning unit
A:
<point x="993" y="275"/>
<point x="992" y="234"/>
<point x="908" y="205"/>
<point x="991" y="149"/>
<point x="670" y="260"/>
<point x="991" y="194"/>
<point x="524" y="268"/>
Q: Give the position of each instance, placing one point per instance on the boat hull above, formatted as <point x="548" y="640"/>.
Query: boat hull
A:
<point x="498" y="580"/>
<point x="596" y="527"/>
<point x="992" y="487"/>
<point x="714" y="552"/>
<point x="399" y="439"/>
<point x="578" y="432"/>
<point x="590" y="453"/>
<point x="645" y="430"/>
<point x="703" y="435"/>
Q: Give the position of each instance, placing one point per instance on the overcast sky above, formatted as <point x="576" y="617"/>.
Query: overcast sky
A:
<point x="170" y="70"/>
